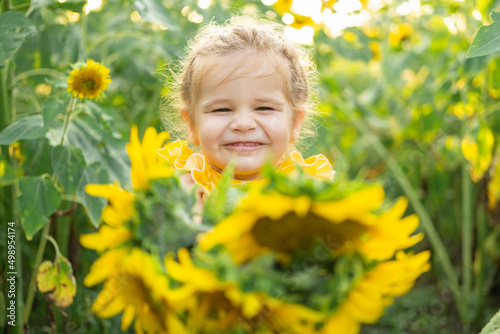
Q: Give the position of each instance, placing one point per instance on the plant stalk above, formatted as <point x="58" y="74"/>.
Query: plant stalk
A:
<point x="439" y="249"/>
<point x="67" y="119"/>
<point x="38" y="260"/>
<point x="467" y="229"/>
<point x="479" y="274"/>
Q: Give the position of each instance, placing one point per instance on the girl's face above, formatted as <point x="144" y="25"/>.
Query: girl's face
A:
<point x="243" y="114"/>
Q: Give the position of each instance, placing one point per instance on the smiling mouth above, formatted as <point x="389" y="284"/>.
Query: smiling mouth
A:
<point x="244" y="146"/>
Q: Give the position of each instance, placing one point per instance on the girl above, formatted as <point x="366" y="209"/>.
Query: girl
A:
<point x="243" y="94"/>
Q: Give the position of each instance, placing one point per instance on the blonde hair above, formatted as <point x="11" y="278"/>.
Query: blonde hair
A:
<point x="245" y="37"/>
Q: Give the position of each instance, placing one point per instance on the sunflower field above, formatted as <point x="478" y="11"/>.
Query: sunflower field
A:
<point x="99" y="235"/>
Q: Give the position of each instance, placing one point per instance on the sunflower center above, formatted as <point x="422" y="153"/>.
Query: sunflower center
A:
<point x="89" y="84"/>
<point x="292" y="233"/>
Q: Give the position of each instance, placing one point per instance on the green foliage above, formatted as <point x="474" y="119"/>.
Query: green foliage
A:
<point x="164" y="222"/>
<point x="92" y="174"/>
<point x="30" y="127"/>
<point x="155" y="12"/>
<point x="38" y="199"/>
<point x="222" y="200"/>
<point x="487" y="38"/>
<point x="51" y="108"/>
<point x="68" y="165"/>
<point x="14" y="29"/>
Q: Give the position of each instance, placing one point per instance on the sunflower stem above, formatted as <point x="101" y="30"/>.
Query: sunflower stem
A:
<point x="54" y="243"/>
<point x="67" y="119"/>
<point x="5" y="6"/>
<point x="479" y="274"/>
<point x="467" y="230"/>
<point x="427" y="224"/>
<point x="38" y="260"/>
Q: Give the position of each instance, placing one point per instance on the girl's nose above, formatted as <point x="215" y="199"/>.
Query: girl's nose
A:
<point x="243" y="121"/>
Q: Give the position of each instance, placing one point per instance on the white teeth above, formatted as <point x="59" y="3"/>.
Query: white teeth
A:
<point x="245" y="144"/>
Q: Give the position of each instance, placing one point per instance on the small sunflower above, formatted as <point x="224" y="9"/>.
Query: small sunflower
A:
<point x="88" y="81"/>
<point x="135" y="285"/>
<point x="375" y="291"/>
<point x="267" y="222"/>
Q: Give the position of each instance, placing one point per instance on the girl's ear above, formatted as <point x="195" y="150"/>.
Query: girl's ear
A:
<point x="192" y="131"/>
<point x="299" y="117"/>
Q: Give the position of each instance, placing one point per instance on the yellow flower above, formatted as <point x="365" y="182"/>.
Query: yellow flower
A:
<point x="478" y="151"/>
<point x="368" y="299"/>
<point x="147" y="164"/>
<point x="376" y="50"/>
<point x="121" y="202"/>
<point x="88" y="81"/>
<point x="135" y="285"/>
<point x="108" y="237"/>
<point x="280" y="317"/>
<point x="214" y="305"/>
<point x="16" y="152"/>
<point x="400" y="33"/>
<point x="2" y="168"/>
<point x="494" y="186"/>
<point x="273" y="222"/>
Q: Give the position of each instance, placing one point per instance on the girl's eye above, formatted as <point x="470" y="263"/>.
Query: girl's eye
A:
<point x="265" y="108"/>
<point x="222" y="110"/>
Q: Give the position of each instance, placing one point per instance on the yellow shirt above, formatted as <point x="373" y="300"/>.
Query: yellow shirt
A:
<point x="182" y="158"/>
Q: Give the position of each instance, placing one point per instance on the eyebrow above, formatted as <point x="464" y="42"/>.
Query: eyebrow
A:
<point x="271" y="100"/>
<point x="210" y="103"/>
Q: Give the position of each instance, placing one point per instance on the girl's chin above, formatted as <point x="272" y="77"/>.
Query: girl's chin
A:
<point x="248" y="174"/>
<point x="248" y="177"/>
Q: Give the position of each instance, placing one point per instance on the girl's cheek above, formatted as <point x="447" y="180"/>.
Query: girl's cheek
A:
<point x="277" y="124"/>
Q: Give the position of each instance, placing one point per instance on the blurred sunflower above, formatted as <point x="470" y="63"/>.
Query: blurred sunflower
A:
<point x="121" y="202"/>
<point x="135" y="285"/>
<point x="146" y="163"/>
<point x="89" y="81"/>
<point x="107" y="237"/>
<point x="266" y="222"/>
<point x="368" y="299"/>
<point x="214" y="305"/>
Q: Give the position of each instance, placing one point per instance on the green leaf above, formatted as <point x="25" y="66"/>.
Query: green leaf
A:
<point x="487" y="39"/>
<point x="14" y="29"/>
<point x="153" y="11"/>
<point x="30" y="127"/>
<point x="493" y="326"/>
<point x="88" y="136"/>
<point x="68" y="164"/>
<point x="37" y="200"/>
<point x="73" y="5"/>
<point x="38" y="157"/>
<point x="222" y="200"/>
<point x="57" y="278"/>
<point x="93" y="174"/>
<point x="51" y="108"/>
